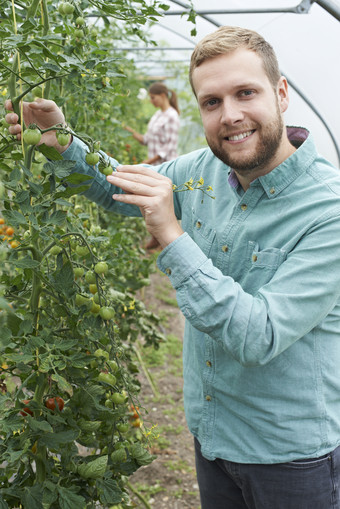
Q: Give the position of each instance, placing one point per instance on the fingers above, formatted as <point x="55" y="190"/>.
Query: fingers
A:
<point x="11" y="118"/>
<point x="15" y="130"/>
<point x="8" y="105"/>
<point x="45" y="105"/>
<point x="136" y="184"/>
<point x="141" y="170"/>
<point x="139" y="183"/>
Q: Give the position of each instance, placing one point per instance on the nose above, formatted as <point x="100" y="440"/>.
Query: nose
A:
<point x="231" y="112"/>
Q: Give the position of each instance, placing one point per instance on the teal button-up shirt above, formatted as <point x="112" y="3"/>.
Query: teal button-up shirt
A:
<point x="257" y="276"/>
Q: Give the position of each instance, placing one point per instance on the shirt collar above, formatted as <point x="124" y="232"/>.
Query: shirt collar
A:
<point x="281" y="176"/>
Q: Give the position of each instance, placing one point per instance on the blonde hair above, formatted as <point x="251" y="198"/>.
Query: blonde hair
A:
<point x="158" y="88"/>
<point x="227" y="39"/>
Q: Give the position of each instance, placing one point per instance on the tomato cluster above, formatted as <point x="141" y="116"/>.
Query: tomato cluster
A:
<point x="6" y="234"/>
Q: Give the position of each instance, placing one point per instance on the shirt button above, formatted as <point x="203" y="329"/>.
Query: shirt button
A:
<point x="208" y="363"/>
<point x="272" y="190"/>
<point x="244" y="206"/>
<point x="168" y="271"/>
<point x="254" y="258"/>
<point x="198" y="224"/>
<point x="208" y="398"/>
<point x="225" y="249"/>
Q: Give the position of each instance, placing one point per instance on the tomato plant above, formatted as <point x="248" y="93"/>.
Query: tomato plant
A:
<point x="51" y="325"/>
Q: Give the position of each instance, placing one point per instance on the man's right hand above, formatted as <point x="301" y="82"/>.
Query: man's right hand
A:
<point x="42" y="112"/>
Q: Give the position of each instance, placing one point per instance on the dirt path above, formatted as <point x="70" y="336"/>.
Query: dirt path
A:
<point x="170" y="481"/>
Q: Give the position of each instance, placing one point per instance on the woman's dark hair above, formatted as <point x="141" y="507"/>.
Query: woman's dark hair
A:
<point x="159" y="88"/>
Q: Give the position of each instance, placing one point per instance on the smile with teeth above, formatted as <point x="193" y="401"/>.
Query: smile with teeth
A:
<point x="239" y="136"/>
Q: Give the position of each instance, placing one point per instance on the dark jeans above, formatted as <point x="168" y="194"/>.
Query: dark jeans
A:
<point x="302" y="484"/>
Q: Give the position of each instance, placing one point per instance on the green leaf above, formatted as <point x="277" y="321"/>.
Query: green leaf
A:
<point x="36" y="189"/>
<point x="25" y="263"/>
<point x="55" y="440"/>
<point x="78" y="178"/>
<point x="63" y="280"/>
<point x="60" y="169"/>
<point x="71" y="191"/>
<point x="63" y="384"/>
<point x="50" y="152"/>
<point x="70" y="500"/>
<point x="5" y="336"/>
<point x="39" y="425"/>
<point x="3" y="504"/>
<point x="57" y="218"/>
<point x="109" y="491"/>
<point x="141" y="455"/>
<point x="32" y="497"/>
<point x="14" y="218"/>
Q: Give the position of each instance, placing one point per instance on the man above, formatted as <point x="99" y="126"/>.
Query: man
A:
<point x="257" y="275"/>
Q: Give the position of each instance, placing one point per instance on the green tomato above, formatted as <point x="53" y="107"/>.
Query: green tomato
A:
<point x="93" y="288"/>
<point x="94" y="33"/>
<point x="95" y="308"/>
<point x="118" y="398"/>
<point x="107" y="378"/>
<point x="107" y="170"/>
<point x="108" y="403"/>
<point x="107" y="313"/>
<point x="96" y="298"/>
<point x="63" y="138"/>
<point x="80" y="21"/>
<point x="80" y="34"/>
<point x="90" y="277"/>
<point x="101" y="353"/>
<point x="82" y="250"/>
<point x="96" y="145"/>
<point x="112" y="365"/>
<point x="68" y="8"/>
<point x="83" y="301"/>
<point x="32" y="136"/>
<point x="122" y="427"/>
<point x="78" y="272"/>
<point x="92" y="158"/>
<point x="101" y="268"/>
<point x="55" y="250"/>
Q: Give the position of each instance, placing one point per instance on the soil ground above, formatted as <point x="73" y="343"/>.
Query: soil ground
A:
<point x="169" y="482"/>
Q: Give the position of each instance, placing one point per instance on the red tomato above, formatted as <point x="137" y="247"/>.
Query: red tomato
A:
<point x="51" y="403"/>
<point x="25" y="411"/>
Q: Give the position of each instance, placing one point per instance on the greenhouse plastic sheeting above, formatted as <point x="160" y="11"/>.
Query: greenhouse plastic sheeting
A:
<point x="307" y="45"/>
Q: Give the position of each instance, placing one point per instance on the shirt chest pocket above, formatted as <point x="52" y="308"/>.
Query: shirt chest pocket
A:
<point x="202" y="233"/>
<point x="261" y="266"/>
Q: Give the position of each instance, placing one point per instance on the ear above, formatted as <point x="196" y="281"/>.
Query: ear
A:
<point x="282" y="94"/>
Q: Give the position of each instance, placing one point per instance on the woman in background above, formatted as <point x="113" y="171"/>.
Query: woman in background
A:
<point x="162" y="134"/>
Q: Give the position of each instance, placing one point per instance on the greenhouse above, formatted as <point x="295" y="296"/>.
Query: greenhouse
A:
<point x="169" y="230"/>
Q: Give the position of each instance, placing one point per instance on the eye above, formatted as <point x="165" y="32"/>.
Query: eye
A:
<point x="211" y="103"/>
<point x="247" y="93"/>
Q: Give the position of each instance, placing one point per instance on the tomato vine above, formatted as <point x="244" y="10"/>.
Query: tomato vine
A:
<point x="59" y="397"/>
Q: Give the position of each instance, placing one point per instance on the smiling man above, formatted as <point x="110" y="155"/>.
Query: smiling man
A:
<point x="242" y="111"/>
<point x="257" y="275"/>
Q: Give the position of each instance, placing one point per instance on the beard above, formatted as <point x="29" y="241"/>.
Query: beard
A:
<point x="270" y="137"/>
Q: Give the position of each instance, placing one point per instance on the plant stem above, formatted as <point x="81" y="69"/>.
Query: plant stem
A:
<point x="146" y="371"/>
<point x="41" y="449"/>
<point x="139" y="495"/>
